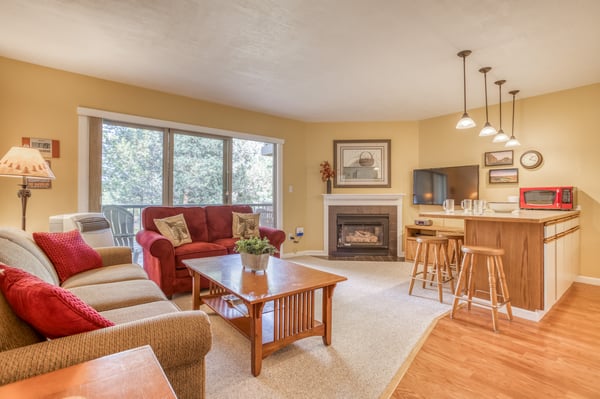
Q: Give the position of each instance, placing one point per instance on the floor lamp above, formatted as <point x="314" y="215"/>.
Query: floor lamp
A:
<point x="24" y="162"/>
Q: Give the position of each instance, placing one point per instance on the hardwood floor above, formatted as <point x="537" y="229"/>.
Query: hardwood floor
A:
<point x="558" y="357"/>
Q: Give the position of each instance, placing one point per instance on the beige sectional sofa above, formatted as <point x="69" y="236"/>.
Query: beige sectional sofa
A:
<point x="121" y="292"/>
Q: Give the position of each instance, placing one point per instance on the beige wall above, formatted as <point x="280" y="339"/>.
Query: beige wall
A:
<point x="563" y="126"/>
<point x="42" y="102"/>
<point x="319" y="148"/>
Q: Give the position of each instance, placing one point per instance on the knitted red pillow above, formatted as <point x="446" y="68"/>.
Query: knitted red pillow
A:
<point x="52" y="311"/>
<point x="68" y="252"/>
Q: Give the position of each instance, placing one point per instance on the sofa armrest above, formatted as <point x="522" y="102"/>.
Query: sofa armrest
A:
<point x="276" y="237"/>
<point x="114" y="255"/>
<point x="156" y="244"/>
<point x="177" y="339"/>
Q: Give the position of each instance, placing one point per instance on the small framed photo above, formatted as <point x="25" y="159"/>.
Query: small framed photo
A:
<point x="498" y="158"/>
<point x="510" y="175"/>
<point x="362" y="163"/>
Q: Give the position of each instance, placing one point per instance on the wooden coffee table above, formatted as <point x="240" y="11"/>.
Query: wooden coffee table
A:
<point x="272" y="308"/>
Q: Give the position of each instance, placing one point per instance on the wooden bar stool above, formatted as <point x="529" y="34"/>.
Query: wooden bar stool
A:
<point x="466" y="280"/>
<point x="441" y="268"/>
<point x="455" y="243"/>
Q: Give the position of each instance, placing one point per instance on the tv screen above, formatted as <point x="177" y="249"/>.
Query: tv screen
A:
<point x="433" y="186"/>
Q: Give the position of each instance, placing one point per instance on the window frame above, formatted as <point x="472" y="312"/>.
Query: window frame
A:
<point x="90" y="120"/>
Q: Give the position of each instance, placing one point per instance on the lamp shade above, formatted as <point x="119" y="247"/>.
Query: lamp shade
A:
<point x="25" y="162"/>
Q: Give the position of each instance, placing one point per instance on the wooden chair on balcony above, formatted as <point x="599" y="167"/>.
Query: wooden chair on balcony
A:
<point x="121" y="223"/>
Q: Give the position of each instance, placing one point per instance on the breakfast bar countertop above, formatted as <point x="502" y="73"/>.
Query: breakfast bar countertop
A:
<point x="522" y="216"/>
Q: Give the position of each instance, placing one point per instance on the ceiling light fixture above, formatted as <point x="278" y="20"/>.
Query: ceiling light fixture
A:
<point x="500" y="137"/>
<point x="513" y="142"/>
<point x="465" y="121"/>
<point x="488" y="129"/>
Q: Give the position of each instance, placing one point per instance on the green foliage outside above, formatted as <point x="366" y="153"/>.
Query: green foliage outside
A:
<point x="132" y="168"/>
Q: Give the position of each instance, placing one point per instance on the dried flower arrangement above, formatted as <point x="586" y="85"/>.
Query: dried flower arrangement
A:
<point x="327" y="171"/>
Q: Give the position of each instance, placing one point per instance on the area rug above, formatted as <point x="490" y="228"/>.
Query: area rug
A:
<point x="376" y="326"/>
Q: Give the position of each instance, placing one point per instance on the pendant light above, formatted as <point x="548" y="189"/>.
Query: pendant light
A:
<point x="488" y="129"/>
<point x="500" y="137"/>
<point x="465" y="121"/>
<point x="513" y="142"/>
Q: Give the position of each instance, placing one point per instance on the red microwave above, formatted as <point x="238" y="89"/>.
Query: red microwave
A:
<point x="561" y="198"/>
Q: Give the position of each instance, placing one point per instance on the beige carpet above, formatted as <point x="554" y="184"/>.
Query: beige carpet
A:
<point x="376" y="325"/>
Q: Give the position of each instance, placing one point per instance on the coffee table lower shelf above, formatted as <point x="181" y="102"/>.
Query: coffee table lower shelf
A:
<point x="283" y="321"/>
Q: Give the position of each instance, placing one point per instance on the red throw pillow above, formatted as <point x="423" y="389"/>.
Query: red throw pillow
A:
<point x="68" y="252"/>
<point x="51" y="310"/>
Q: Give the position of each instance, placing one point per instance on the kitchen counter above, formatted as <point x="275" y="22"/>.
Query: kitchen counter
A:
<point x="522" y="216"/>
<point x="541" y="257"/>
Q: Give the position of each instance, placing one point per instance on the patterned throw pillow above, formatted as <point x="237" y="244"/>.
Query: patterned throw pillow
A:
<point x="175" y="229"/>
<point x="245" y="225"/>
<point x="52" y="311"/>
<point x="68" y="252"/>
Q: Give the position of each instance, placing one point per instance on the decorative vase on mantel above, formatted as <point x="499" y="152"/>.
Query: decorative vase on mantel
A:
<point x="328" y="181"/>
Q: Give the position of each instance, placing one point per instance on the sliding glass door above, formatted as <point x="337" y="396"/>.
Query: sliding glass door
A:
<point x="142" y="165"/>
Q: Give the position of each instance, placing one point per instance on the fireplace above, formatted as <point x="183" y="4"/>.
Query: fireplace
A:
<point x="362" y="235"/>
<point x="369" y="224"/>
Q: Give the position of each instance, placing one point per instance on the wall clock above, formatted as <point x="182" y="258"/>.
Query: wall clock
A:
<point x="531" y="159"/>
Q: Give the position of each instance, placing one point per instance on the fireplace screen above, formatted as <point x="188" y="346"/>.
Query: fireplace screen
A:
<point x="362" y="232"/>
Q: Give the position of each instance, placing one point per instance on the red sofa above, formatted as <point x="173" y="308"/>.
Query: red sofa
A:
<point x="210" y="228"/>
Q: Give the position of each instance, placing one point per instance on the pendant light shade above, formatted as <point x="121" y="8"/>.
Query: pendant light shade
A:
<point x="465" y="121"/>
<point x="513" y="142"/>
<point x="488" y="129"/>
<point x="500" y="137"/>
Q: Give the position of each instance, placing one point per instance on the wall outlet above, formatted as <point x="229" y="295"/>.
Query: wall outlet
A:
<point x="292" y="237"/>
<point x="299" y="231"/>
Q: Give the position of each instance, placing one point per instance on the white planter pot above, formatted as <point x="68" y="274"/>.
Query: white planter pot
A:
<point x="255" y="262"/>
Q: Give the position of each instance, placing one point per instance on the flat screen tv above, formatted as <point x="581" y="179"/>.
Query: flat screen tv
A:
<point x="433" y="186"/>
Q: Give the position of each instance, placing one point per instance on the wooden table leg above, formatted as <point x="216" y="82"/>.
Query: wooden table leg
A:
<point x="256" y="345"/>
<point x="195" y="290"/>
<point x="327" y="299"/>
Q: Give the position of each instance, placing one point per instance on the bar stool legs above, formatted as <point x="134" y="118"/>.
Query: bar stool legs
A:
<point x="495" y="269"/>
<point x="441" y="267"/>
<point x="455" y="243"/>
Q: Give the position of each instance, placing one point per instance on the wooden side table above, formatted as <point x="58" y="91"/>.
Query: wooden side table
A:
<point x="131" y="374"/>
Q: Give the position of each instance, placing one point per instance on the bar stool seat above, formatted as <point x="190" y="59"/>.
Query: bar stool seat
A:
<point x="441" y="272"/>
<point x="466" y="280"/>
<point x="455" y="243"/>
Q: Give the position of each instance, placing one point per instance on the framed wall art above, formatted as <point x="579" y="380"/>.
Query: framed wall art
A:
<point x="362" y="163"/>
<point x="510" y="175"/>
<point x="498" y="158"/>
<point x="49" y="148"/>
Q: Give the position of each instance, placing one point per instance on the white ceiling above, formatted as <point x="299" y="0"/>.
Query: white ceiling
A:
<point x="315" y="60"/>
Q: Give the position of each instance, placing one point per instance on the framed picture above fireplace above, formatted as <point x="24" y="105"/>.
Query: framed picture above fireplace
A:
<point x="362" y="163"/>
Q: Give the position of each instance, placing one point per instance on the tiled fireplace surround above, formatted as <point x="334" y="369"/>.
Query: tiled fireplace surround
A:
<point x="363" y="204"/>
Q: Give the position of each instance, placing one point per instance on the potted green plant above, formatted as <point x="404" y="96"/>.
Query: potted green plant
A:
<point x="255" y="252"/>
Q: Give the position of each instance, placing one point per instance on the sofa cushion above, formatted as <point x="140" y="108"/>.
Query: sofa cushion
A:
<point x="197" y="250"/>
<point x="141" y="311"/>
<point x="195" y="218"/>
<point x="119" y="294"/>
<point x="18" y="248"/>
<point x="219" y="219"/>
<point x="245" y="225"/>
<point x="175" y="229"/>
<point x="52" y="311"/>
<point x="68" y="252"/>
<point x="106" y="274"/>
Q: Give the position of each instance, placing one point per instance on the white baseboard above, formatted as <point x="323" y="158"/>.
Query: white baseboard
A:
<point x="286" y="255"/>
<point x="587" y="280"/>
